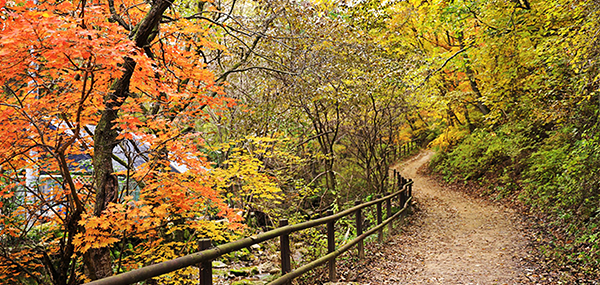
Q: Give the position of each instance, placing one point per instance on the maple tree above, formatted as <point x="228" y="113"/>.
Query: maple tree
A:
<point x="111" y="108"/>
<point x="83" y="82"/>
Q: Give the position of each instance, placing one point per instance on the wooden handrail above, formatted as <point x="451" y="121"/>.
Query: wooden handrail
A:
<point x="205" y="256"/>
<point x="305" y="268"/>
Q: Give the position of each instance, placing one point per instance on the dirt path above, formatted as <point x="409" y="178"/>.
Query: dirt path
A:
<point x="454" y="239"/>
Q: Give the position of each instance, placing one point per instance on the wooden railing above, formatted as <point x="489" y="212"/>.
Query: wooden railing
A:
<point x="401" y="197"/>
<point x="405" y="149"/>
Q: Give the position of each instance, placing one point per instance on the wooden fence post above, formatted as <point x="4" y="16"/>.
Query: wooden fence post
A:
<point x="331" y="246"/>
<point x="359" y="231"/>
<point x="410" y="188"/>
<point x="388" y="207"/>
<point x="400" y="187"/>
<point x="205" y="267"/>
<point x="379" y="219"/>
<point x="402" y="197"/>
<point x="284" y="244"/>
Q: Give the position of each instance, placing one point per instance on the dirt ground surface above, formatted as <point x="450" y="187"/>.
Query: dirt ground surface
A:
<point x="452" y="239"/>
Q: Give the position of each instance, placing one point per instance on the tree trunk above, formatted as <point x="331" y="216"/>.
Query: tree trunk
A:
<point x="468" y="118"/>
<point x="98" y="261"/>
<point x="452" y="116"/>
<point x="471" y="76"/>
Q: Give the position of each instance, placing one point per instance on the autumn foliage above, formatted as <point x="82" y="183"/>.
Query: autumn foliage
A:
<point x="131" y="129"/>
<point x="119" y="148"/>
<point x="514" y="89"/>
<point x="84" y="88"/>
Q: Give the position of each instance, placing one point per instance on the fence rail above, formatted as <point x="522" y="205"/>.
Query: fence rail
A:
<point x="202" y="259"/>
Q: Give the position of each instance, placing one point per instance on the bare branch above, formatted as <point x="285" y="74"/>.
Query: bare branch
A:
<point x="442" y="66"/>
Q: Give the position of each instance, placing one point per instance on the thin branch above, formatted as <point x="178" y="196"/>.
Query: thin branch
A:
<point x="263" y="68"/>
<point x="116" y="17"/>
<point x="442" y="66"/>
<point x="480" y="20"/>
<point x="22" y="268"/>
<point x="313" y="137"/>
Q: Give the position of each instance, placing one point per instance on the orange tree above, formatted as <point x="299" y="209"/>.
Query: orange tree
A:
<point x="99" y="103"/>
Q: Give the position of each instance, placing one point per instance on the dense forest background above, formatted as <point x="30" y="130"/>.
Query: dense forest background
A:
<point x="131" y="129"/>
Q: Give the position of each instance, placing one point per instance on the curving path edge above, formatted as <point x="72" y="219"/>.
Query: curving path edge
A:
<point x="453" y="239"/>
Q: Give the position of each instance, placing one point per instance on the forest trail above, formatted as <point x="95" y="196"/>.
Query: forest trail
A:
<point x="453" y="239"/>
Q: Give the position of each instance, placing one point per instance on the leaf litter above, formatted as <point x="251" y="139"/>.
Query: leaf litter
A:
<point x="451" y="238"/>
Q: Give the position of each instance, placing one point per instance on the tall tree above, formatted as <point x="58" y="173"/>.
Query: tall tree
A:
<point x="120" y="86"/>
